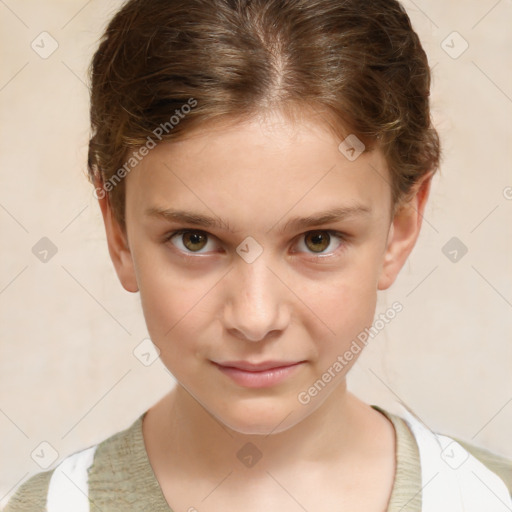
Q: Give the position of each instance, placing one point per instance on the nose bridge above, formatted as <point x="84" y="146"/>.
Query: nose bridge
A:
<point x="255" y="304"/>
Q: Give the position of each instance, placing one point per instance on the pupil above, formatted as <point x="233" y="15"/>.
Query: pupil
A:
<point x="193" y="239"/>
<point x="319" y="238"/>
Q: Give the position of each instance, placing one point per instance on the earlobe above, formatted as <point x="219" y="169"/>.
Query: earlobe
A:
<point x="403" y="234"/>
<point x="118" y="246"/>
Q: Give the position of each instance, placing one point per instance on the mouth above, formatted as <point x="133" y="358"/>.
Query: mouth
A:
<point x="260" y="375"/>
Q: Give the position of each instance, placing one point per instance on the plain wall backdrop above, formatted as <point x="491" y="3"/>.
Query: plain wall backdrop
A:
<point x="69" y="375"/>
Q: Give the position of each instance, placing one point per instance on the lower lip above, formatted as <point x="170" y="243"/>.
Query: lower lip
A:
<point x="262" y="379"/>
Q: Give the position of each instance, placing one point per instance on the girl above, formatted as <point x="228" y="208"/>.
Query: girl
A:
<point x="262" y="167"/>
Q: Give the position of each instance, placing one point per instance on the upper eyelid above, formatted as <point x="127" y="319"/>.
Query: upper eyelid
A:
<point x="174" y="232"/>
<point x="343" y="236"/>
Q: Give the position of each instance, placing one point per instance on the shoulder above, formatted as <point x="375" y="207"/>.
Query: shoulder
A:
<point x="96" y="461"/>
<point x="31" y="495"/>
<point x="498" y="464"/>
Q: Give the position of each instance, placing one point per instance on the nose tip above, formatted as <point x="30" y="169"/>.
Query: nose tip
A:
<point x="252" y="319"/>
<point x="247" y="333"/>
<point x="256" y="308"/>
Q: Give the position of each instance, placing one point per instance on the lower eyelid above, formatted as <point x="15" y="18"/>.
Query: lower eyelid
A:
<point x="342" y="237"/>
<point x="168" y="238"/>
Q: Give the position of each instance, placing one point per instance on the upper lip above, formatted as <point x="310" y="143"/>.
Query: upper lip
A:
<point x="257" y="367"/>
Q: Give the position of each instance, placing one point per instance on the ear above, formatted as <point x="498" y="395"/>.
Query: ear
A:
<point x="117" y="242"/>
<point x="403" y="232"/>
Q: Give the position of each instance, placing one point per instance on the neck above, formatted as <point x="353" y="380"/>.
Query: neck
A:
<point x="184" y="430"/>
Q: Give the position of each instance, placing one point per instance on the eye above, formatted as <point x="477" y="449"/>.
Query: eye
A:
<point x="189" y="241"/>
<point x="312" y="242"/>
<point x="316" y="242"/>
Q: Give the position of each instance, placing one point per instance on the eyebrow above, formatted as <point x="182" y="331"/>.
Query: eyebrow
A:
<point x="187" y="217"/>
<point x="325" y="217"/>
<point x="295" y="223"/>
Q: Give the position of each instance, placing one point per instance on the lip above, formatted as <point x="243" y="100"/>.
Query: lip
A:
<point x="258" y="367"/>
<point x="258" y="375"/>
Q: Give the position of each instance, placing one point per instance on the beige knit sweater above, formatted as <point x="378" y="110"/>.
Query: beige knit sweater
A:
<point x="121" y="478"/>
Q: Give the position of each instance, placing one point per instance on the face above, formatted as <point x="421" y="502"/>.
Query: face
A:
<point x="258" y="250"/>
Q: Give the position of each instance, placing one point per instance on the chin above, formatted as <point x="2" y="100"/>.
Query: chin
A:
<point x="259" y="417"/>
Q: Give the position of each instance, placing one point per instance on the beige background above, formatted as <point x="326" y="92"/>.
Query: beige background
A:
<point x="68" y="329"/>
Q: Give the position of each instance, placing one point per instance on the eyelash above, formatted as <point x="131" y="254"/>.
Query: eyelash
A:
<point x="337" y="234"/>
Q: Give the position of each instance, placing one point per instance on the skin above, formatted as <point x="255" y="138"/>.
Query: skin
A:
<point x="291" y="303"/>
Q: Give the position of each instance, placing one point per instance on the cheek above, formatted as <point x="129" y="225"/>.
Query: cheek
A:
<point x="170" y="301"/>
<point x="346" y="308"/>
<point x="344" y="303"/>
<point x="173" y="319"/>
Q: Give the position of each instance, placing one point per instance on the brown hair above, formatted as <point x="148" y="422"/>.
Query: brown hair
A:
<point x="358" y="62"/>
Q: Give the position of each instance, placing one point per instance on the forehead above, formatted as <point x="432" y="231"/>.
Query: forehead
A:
<point x="259" y="167"/>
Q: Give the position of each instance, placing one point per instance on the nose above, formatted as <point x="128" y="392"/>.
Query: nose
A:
<point x="257" y="305"/>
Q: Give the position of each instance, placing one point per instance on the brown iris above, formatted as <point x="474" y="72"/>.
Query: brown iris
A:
<point x="317" y="241"/>
<point x="194" y="240"/>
